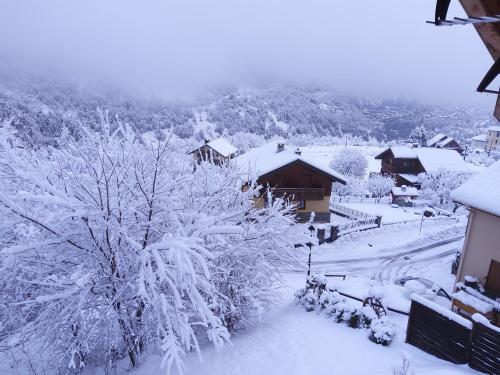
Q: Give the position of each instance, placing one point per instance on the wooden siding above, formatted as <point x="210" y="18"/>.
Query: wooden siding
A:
<point x="298" y="175"/>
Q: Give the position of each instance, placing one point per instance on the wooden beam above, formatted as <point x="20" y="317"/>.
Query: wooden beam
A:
<point x="488" y="32"/>
<point x="497" y="108"/>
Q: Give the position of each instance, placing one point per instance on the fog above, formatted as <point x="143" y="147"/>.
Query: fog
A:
<point x="174" y="48"/>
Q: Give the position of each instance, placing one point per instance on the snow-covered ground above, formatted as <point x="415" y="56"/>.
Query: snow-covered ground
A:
<point x="291" y="341"/>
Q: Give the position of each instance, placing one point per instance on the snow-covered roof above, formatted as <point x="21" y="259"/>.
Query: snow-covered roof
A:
<point x="481" y="191"/>
<point x="494" y="128"/>
<point x="438" y="137"/>
<point x="444" y="142"/>
<point x="266" y="158"/>
<point x="413" y="178"/>
<point x="405" y="191"/>
<point x="480" y="138"/>
<point x="403" y="152"/>
<point x="433" y="159"/>
<point x="221" y="146"/>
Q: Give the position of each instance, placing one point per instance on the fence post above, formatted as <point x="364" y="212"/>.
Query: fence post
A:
<point x="334" y="232"/>
<point x="378" y="220"/>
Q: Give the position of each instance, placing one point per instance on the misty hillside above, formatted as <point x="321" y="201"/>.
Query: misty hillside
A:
<point x="40" y="110"/>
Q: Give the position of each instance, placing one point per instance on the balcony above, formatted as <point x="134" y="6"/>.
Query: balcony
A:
<point x="388" y="168"/>
<point x="300" y="194"/>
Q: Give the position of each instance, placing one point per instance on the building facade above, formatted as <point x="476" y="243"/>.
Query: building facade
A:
<point x="493" y="138"/>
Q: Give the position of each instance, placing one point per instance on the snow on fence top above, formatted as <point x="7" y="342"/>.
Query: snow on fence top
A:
<point x="442" y="310"/>
<point x="271" y="156"/>
<point x="481" y="191"/>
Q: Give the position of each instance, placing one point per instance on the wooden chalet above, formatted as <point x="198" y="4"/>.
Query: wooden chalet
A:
<point x="443" y="141"/>
<point x="405" y="163"/>
<point x="290" y="174"/>
<point x="217" y="151"/>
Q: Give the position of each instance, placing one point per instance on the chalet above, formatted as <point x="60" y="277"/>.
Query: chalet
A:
<point x="480" y="258"/>
<point x="218" y="151"/>
<point x="303" y="180"/>
<point x="404" y="195"/>
<point x="443" y="141"/>
<point x="406" y="163"/>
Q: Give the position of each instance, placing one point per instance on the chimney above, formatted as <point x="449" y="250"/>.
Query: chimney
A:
<point x="403" y="187"/>
<point x="206" y="141"/>
<point x="298" y="151"/>
<point x="281" y="147"/>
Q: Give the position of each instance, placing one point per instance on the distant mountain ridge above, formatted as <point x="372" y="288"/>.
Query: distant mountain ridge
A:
<point x="39" y="110"/>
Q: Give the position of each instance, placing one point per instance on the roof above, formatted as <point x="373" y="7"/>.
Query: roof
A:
<point x="494" y="128"/>
<point x="400" y="152"/>
<point x="481" y="191"/>
<point x="221" y="146"/>
<point x="445" y="141"/>
<point x="480" y="137"/>
<point x="265" y="159"/>
<point x="405" y="191"/>
<point x="438" y="137"/>
<point x="412" y="178"/>
<point x="433" y="159"/>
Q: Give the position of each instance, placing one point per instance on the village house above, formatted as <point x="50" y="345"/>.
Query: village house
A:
<point x="493" y="138"/>
<point x="481" y="251"/>
<point x="443" y="141"/>
<point x="217" y="151"/>
<point x="405" y="163"/>
<point x="404" y="195"/>
<point x="290" y="174"/>
<point x="478" y="142"/>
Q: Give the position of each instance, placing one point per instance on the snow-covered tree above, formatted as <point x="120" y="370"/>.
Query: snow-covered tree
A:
<point x="380" y="185"/>
<point x="111" y="246"/>
<point x="418" y="135"/>
<point x="350" y="162"/>
<point x="437" y="186"/>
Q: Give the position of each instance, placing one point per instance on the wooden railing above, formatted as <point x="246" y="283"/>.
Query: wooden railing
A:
<point x="301" y="194"/>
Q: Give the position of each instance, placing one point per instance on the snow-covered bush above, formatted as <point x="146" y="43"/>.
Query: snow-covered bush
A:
<point x="111" y="247"/>
<point x="350" y="162"/>
<point x="379" y="185"/>
<point x="329" y="301"/>
<point x="437" y="185"/>
<point x="382" y="331"/>
<point x="307" y="298"/>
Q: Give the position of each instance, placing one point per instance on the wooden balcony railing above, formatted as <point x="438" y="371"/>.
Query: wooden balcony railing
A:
<point x="388" y="168"/>
<point x="301" y="194"/>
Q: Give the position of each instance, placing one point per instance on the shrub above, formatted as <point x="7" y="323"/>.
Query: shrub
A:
<point x="381" y="331"/>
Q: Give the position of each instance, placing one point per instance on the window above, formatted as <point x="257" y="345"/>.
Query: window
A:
<point x="300" y="205"/>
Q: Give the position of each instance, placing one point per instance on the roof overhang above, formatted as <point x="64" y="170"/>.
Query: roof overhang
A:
<point x="310" y="166"/>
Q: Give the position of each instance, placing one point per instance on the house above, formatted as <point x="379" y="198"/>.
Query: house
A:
<point x="493" y="138"/>
<point x="481" y="250"/>
<point x="403" y="195"/>
<point x="443" y="141"/>
<point x="478" y="142"/>
<point x="290" y="174"/>
<point x="405" y="163"/>
<point x="218" y="151"/>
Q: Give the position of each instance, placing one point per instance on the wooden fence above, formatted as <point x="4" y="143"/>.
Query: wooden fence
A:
<point x="437" y="334"/>
<point x="485" y="354"/>
<point x="354" y="199"/>
<point x="451" y="337"/>
<point x="351" y="213"/>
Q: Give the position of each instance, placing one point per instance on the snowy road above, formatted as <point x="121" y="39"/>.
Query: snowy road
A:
<point x="385" y="269"/>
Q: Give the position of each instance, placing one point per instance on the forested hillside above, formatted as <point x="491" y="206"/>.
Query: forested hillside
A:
<point x="39" y="111"/>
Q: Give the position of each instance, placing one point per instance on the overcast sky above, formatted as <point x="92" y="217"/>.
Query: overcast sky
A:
<point x="376" y="48"/>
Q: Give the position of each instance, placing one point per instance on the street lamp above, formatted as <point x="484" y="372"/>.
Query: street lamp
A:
<point x="310" y="245"/>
